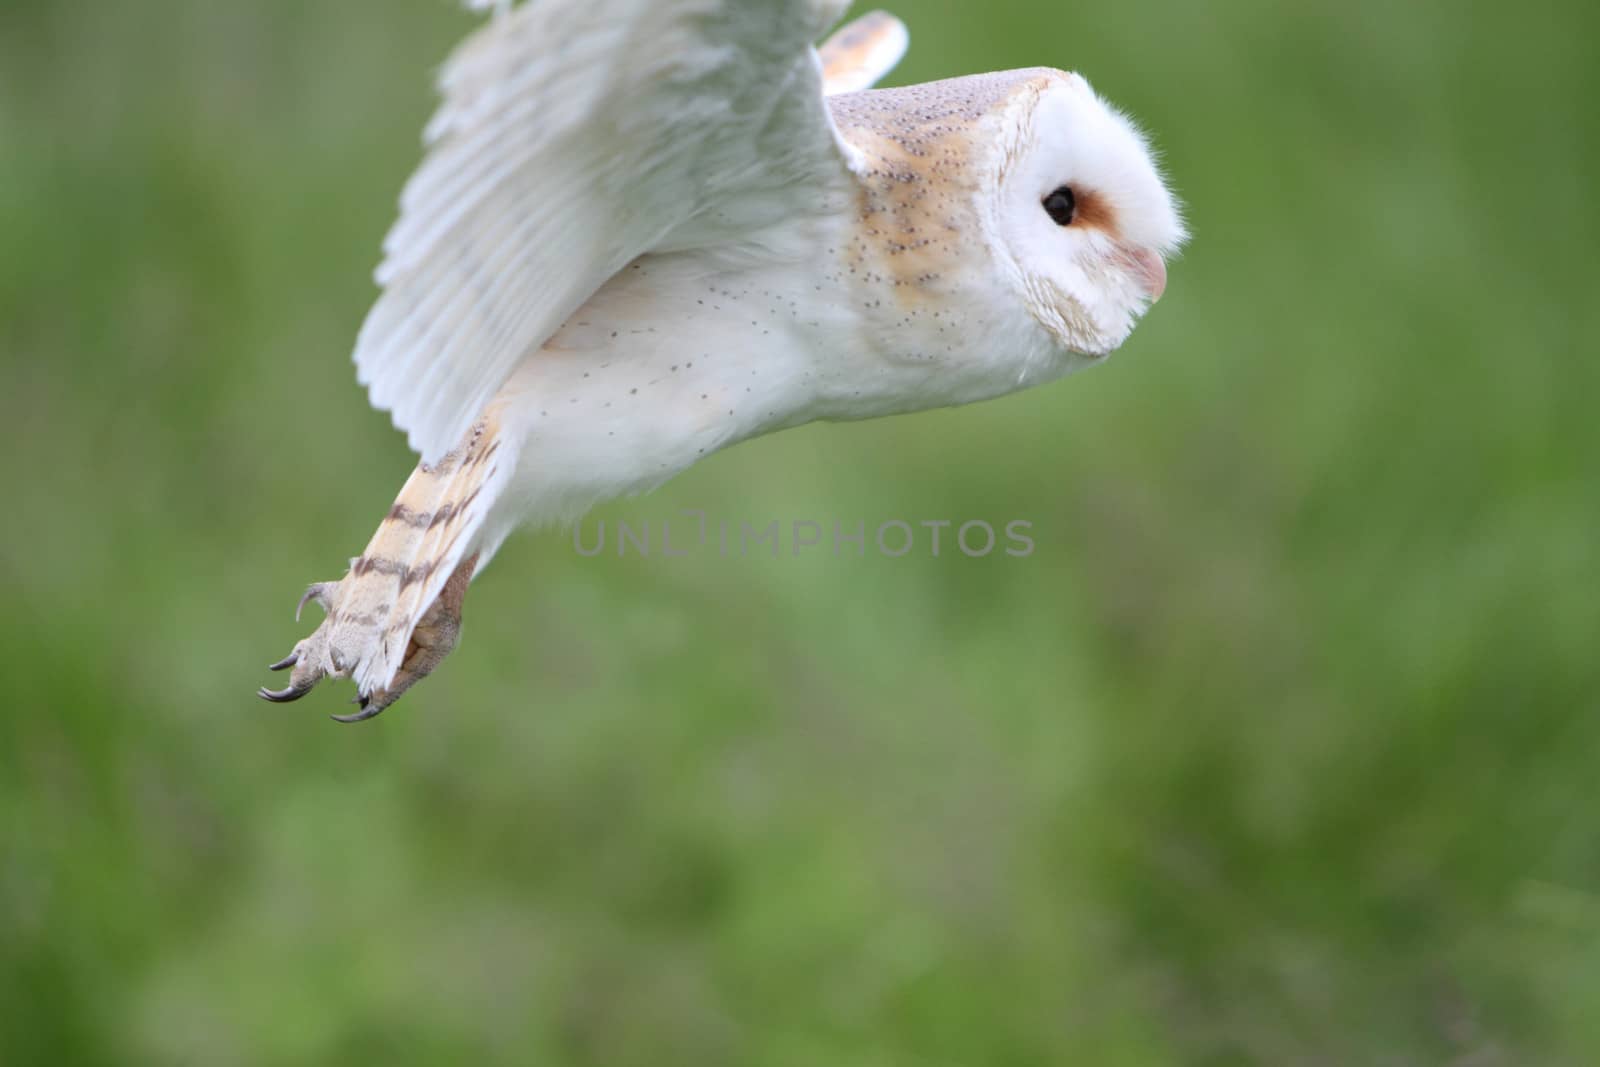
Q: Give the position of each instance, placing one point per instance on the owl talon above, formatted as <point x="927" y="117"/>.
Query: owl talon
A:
<point x="308" y="658"/>
<point x="284" y="696"/>
<point x="318" y="657"/>
<point x="369" y="710"/>
<point x="318" y="592"/>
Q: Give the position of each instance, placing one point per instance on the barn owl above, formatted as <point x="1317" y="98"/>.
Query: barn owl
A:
<point x="645" y="230"/>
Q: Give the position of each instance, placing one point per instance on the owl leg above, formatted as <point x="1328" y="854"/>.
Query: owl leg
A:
<point x="395" y="616"/>
<point x="434" y="638"/>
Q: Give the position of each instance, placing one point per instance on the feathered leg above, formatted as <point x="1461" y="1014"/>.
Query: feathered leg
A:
<point x="397" y="614"/>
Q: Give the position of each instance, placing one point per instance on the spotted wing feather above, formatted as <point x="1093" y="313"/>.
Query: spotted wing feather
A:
<point x="574" y="136"/>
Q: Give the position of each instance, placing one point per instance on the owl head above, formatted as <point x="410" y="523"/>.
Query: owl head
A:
<point x="1032" y="175"/>
<point x="1078" y="215"/>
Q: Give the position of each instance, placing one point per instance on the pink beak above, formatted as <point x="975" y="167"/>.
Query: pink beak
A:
<point x="1151" y="272"/>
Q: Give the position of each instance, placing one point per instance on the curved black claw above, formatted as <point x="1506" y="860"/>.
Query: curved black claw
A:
<point x="368" y="710"/>
<point x="317" y="592"/>
<point x="283" y="696"/>
<point x="286" y="662"/>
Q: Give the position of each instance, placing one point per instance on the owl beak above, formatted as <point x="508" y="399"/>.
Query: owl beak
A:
<point x="1150" y="270"/>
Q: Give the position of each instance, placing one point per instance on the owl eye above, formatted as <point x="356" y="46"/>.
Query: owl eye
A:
<point x="1062" y="206"/>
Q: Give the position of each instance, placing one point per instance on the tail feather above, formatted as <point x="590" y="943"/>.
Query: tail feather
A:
<point x="427" y="533"/>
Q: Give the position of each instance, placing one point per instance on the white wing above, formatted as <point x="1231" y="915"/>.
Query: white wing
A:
<point x="574" y="136"/>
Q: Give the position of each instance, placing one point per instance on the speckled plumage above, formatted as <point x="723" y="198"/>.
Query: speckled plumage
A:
<point x="602" y="275"/>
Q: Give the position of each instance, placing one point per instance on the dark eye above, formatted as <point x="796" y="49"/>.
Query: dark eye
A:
<point x="1062" y="206"/>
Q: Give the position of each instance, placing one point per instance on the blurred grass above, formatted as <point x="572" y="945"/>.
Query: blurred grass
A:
<point x="1280" y="749"/>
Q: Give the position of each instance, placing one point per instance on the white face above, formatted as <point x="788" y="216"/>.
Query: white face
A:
<point x="1081" y="214"/>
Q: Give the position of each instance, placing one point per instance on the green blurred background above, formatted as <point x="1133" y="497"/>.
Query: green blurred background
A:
<point x="1282" y="748"/>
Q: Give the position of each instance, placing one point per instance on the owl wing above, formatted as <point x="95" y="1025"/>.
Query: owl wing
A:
<point x="574" y="136"/>
<point x="858" y="55"/>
